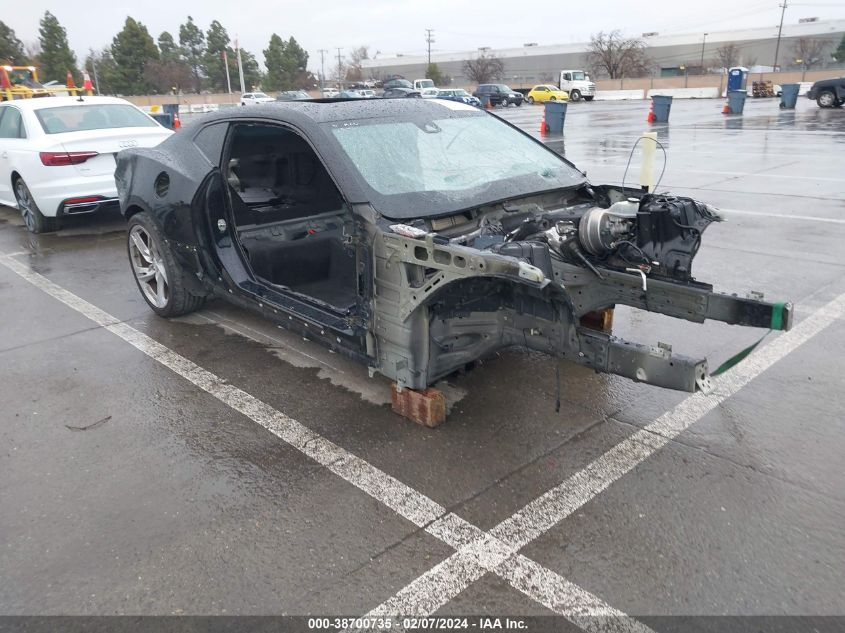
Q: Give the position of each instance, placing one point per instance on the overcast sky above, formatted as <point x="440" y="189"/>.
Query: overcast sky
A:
<point x="398" y="26"/>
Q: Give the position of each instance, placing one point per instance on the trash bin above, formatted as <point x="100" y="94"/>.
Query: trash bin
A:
<point x="661" y="104"/>
<point x="789" y="96"/>
<point x="555" y="116"/>
<point x="164" y="118"/>
<point x="736" y="101"/>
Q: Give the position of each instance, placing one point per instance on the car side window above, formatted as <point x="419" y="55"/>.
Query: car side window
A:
<point x="209" y="140"/>
<point x="11" y="124"/>
<point x="566" y="76"/>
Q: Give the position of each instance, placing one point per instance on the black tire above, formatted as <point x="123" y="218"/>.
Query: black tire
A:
<point x="177" y="299"/>
<point x="588" y="98"/>
<point x="35" y="221"/>
<point x="504" y="103"/>
<point x="531" y="100"/>
<point x="518" y="103"/>
<point x="826" y="99"/>
<point x="575" y="95"/>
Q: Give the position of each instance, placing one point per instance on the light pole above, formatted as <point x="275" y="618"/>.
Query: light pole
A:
<point x="701" y="64"/>
<point x="780" y="29"/>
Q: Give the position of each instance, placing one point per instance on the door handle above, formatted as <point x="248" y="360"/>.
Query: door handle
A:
<point x="4" y="154"/>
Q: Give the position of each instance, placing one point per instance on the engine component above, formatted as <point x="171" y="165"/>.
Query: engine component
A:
<point x="669" y="231"/>
<point x="600" y="229"/>
<point x="535" y="253"/>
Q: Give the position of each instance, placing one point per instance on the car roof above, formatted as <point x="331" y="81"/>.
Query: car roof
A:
<point x="41" y="103"/>
<point x="302" y="113"/>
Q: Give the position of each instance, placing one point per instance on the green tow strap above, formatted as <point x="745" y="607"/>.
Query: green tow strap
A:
<point x="776" y="324"/>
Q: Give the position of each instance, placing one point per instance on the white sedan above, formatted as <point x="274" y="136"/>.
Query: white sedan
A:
<point x="57" y="154"/>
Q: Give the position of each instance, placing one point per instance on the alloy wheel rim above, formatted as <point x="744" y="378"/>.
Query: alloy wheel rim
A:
<point x="148" y="267"/>
<point x="24" y="205"/>
<point x="826" y="99"/>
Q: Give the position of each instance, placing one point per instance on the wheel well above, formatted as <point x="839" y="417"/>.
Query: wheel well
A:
<point x="132" y="210"/>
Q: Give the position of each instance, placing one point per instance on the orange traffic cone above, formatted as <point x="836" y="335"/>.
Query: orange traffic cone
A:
<point x="176" y="122"/>
<point x="69" y="83"/>
<point x="86" y="81"/>
<point x="650" y="117"/>
<point x="726" y="109"/>
<point x="544" y="127"/>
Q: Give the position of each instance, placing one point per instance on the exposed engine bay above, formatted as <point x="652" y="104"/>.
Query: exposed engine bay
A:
<point x="576" y="254"/>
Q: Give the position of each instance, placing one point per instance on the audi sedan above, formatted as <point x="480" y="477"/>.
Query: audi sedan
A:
<point x="57" y="154"/>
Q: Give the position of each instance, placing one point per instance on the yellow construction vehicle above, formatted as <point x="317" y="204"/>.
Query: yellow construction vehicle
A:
<point x="21" y="82"/>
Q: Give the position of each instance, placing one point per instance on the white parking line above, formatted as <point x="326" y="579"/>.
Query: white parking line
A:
<point x="442" y="583"/>
<point x="479" y="552"/>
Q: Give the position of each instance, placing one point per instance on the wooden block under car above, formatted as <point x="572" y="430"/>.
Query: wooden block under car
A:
<point x="427" y="407"/>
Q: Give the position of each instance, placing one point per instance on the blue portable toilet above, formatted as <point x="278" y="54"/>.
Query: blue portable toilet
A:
<point x="737" y="78"/>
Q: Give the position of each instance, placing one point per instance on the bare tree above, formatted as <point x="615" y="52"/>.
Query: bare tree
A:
<point x="484" y="68"/>
<point x="728" y="55"/>
<point x="613" y="55"/>
<point x="808" y="52"/>
<point x="354" y="71"/>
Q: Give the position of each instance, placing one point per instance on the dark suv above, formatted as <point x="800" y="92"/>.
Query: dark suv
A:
<point x="499" y="94"/>
<point x="828" y="93"/>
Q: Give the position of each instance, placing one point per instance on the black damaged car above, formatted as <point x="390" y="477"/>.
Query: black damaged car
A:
<point x="417" y="236"/>
<point x="828" y="93"/>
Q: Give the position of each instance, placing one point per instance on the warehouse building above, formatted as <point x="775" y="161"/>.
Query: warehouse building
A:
<point x="671" y="55"/>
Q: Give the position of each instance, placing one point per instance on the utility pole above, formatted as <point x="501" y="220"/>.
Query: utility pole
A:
<point x="94" y="68"/>
<point x="780" y="29"/>
<point x="339" y="68"/>
<point x="322" y="52"/>
<point x="429" y="39"/>
<point x="701" y="65"/>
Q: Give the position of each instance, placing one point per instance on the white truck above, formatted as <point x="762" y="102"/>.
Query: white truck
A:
<point x="426" y="88"/>
<point x="578" y="84"/>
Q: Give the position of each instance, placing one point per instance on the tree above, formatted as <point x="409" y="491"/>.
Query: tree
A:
<point x="286" y="65"/>
<point x="484" y="68"/>
<point x="192" y="42"/>
<point x="102" y="70"/>
<point x="808" y="51"/>
<point x="11" y="48"/>
<point x="728" y="55"/>
<point x="133" y="48"/>
<point x="432" y="72"/>
<point x="354" y="70"/>
<point x="217" y="43"/>
<point x="168" y="51"/>
<point x="839" y="53"/>
<point x="168" y="75"/>
<point x="56" y="57"/>
<point x="613" y="55"/>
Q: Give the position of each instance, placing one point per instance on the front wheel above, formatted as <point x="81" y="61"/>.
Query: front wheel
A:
<point x="826" y="99"/>
<point x="35" y="221"/>
<point x="161" y="280"/>
<point x="531" y="100"/>
<point x="504" y="103"/>
<point x="552" y="98"/>
<point x="575" y="96"/>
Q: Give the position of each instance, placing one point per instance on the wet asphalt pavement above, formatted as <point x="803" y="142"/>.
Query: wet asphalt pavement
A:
<point x="177" y="504"/>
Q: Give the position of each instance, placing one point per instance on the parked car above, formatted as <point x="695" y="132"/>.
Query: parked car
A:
<point x="546" y="92"/>
<point x="349" y="94"/>
<point x="458" y="94"/>
<point x="367" y="93"/>
<point x="499" y="94"/>
<point x="253" y="98"/>
<point x="400" y="92"/>
<point x="330" y="93"/>
<point x="57" y="154"/>
<point x="828" y="93"/>
<point x="293" y="95"/>
<point x="398" y="82"/>
<point x="417" y="237"/>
